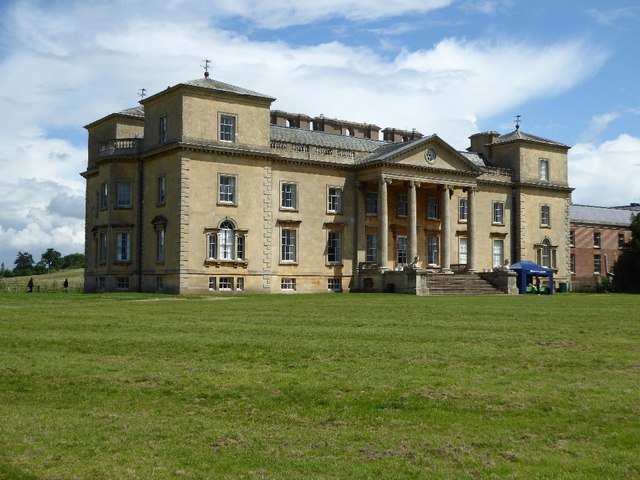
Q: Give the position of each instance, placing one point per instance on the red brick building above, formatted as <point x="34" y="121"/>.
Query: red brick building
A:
<point x="596" y="238"/>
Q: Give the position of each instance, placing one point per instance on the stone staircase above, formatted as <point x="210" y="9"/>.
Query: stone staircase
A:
<point x="460" y="284"/>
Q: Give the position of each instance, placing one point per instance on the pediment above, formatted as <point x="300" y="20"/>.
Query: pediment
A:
<point x="431" y="153"/>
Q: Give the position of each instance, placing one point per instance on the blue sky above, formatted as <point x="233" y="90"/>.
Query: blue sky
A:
<point x="451" y="67"/>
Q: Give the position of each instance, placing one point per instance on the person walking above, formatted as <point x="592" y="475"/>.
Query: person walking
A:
<point x="30" y="285"/>
<point x="65" y="286"/>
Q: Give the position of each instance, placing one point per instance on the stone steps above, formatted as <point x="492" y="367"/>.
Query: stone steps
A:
<point x="460" y="284"/>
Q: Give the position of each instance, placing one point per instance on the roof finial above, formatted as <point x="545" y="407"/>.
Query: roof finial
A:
<point x="517" y="121"/>
<point x="206" y="67"/>
<point x="142" y="93"/>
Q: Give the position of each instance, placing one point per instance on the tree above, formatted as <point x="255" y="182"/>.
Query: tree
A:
<point x="73" y="260"/>
<point x="23" y="264"/>
<point x="52" y="259"/>
<point x="627" y="268"/>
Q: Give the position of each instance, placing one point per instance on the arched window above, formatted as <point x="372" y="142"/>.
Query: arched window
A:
<point x="546" y="254"/>
<point x="226" y="243"/>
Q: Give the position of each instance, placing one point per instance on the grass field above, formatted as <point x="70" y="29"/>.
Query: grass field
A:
<point x="50" y="282"/>
<point x="128" y="386"/>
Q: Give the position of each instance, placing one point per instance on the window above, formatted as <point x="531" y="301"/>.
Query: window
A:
<point x="212" y="283"/>
<point x="498" y="252"/>
<point x="546" y="254"/>
<point x="104" y="195"/>
<point x="101" y="283"/>
<point x="240" y="247"/>
<point x="596" y="240"/>
<point x="102" y="253"/>
<point x="288" y="195"/>
<point x="462" y="251"/>
<point x="334" y="253"/>
<point x="433" y="251"/>
<point x="159" y="284"/>
<point x="544" y="169"/>
<point x="372" y="248"/>
<point x="498" y="213"/>
<point x="227" y="128"/>
<point x="240" y="284"/>
<point x="572" y="238"/>
<point x="334" y="285"/>
<point x="288" y="284"/>
<point x="621" y="241"/>
<point x="401" y="250"/>
<point x="432" y="208"/>
<point x="288" y="245"/>
<point x="226" y="243"/>
<point x="123" y="247"/>
<point x="597" y="264"/>
<point x="122" y="283"/>
<point x="225" y="284"/>
<point x="462" y="210"/>
<point x="545" y="215"/>
<point x="160" y="238"/>
<point x="334" y="200"/>
<point x="372" y="203"/>
<point x="572" y="263"/>
<point x="162" y="190"/>
<point x="227" y="189"/>
<point x="162" y="129"/>
<point x="402" y="205"/>
<point x="123" y="194"/>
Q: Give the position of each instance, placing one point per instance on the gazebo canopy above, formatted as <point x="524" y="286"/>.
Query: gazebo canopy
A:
<point x="526" y="269"/>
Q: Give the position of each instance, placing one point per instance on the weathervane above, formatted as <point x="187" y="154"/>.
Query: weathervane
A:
<point x="517" y="121"/>
<point x="142" y="93"/>
<point x="206" y="67"/>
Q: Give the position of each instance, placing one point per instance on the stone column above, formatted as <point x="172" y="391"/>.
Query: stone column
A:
<point x="412" y="237"/>
<point x="446" y="229"/>
<point x="471" y="229"/>
<point x="360" y="242"/>
<point x="383" y="224"/>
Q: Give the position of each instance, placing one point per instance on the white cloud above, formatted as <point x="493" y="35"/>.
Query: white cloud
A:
<point x="604" y="174"/>
<point x="598" y="124"/>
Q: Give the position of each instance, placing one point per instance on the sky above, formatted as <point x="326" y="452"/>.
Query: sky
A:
<point x="449" y="67"/>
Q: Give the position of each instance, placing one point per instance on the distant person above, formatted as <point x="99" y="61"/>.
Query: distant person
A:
<point x="30" y="285"/>
<point x="538" y="285"/>
<point x="65" y="286"/>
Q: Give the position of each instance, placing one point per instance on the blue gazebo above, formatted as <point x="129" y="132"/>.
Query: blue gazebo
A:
<point x="527" y="270"/>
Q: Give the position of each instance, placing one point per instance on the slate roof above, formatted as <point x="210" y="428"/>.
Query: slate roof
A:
<point x="518" y="134"/>
<point x="600" y="215"/>
<point x="474" y="158"/>
<point x="225" y="87"/>
<point x="323" y="139"/>
<point x="133" y="111"/>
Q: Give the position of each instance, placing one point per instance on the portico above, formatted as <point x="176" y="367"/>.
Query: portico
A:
<point x="407" y="223"/>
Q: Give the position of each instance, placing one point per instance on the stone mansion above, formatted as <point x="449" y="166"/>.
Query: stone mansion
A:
<point x="204" y="187"/>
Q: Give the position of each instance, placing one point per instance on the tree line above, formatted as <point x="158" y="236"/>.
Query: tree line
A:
<point x="50" y="261"/>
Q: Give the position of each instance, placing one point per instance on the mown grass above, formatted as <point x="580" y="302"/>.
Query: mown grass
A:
<point x="319" y="386"/>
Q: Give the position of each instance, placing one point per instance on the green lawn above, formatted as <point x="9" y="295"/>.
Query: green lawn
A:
<point x="127" y="386"/>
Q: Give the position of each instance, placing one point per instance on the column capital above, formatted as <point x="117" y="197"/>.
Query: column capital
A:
<point x="384" y="179"/>
<point x="414" y="183"/>
<point x="472" y="190"/>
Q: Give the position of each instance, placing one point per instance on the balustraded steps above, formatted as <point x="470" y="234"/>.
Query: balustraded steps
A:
<point x="460" y="284"/>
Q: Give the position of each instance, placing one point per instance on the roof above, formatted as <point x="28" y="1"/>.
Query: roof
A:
<point x="137" y="111"/>
<point x="518" y="134"/>
<point x="322" y="139"/>
<point x="600" y="215"/>
<point x="219" y="86"/>
<point x="475" y="158"/>
<point x="530" y="267"/>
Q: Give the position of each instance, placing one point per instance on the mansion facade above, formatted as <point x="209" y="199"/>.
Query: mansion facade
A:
<point x="204" y="187"/>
